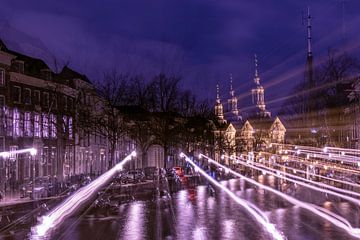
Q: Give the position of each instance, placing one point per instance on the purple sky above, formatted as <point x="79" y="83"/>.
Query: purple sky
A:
<point x="201" y="40"/>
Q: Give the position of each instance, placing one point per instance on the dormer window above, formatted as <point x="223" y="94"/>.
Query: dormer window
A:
<point x="18" y="66"/>
<point x="2" y="77"/>
<point x="46" y="74"/>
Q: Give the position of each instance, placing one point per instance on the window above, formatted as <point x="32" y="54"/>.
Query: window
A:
<point x="12" y="154"/>
<point x="54" y="102"/>
<point x="45" y="125"/>
<point x="37" y="125"/>
<point x="64" y="123"/>
<point x="70" y="103"/>
<point x="2" y="101"/>
<point x="17" y="94"/>
<point x="9" y="122"/>
<point x="18" y="66"/>
<point x="2" y="77"/>
<point x="46" y="99"/>
<point x="65" y="103"/>
<point x="27" y="96"/>
<point x="2" y="144"/>
<point x="16" y="123"/>
<point x="53" y="125"/>
<point x="37" y="97"/>
<point x="27" y="125"/>
<point x="46" y="74"/>
<point x="70" y="128"/>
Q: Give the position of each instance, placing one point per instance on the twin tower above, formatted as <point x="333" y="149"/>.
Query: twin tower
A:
<point x="232" y="112"/>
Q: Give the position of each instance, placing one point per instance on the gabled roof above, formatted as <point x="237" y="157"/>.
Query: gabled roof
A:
<point x="32" y="66"/>
<point x="278" y="121"/>
<point x="68" y="73"/>
<point x="246" y="125"/>
<point x="261" y="123"/>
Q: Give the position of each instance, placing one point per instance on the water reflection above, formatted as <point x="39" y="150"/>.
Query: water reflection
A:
<point x="134" y="227"/>
<point x="199" y="215"/>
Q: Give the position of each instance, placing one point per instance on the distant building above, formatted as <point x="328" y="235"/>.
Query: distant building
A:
<point x="235" y="134"/>
<point x="40" y="109"/>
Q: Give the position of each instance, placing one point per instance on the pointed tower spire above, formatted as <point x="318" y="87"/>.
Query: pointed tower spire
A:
<point x="232" y="93"/>
<point x="309" y="103"/>
<point x="309" y="50"/>
<point x="256" y="78"/>
<point x="219" y="112"/>
<point x="258" y="94"/>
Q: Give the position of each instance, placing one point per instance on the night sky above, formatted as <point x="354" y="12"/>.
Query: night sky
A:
<point x="202" y="41"/>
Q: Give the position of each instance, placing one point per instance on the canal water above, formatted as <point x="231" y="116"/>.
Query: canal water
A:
<point x="195" y="213"/>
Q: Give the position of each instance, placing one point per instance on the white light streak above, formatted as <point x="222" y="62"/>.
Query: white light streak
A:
<point x="74" y="202"/>
<point x="252" y="209"/>
<point x="331" y="217"/>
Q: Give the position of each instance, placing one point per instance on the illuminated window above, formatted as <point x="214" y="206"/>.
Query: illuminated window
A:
<point x="27" y="125"/>
<point x="2" y="77"/>
<point x="53" y="125"/>
<point x="70" y="128"/>
<point x="37" y="125"/>
<point x="12" y="154"/>
<point x="64" y="123"/>
<point x="16" y="123"/>
<point x="27" y="96"/>
<point x="16" y="94"/>
<point x="9" y="122"/>
<point x="45" y="125"/>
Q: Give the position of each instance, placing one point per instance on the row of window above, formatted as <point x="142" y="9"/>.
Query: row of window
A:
<point x="18" y="124"/>
<point x="24" y="95"/>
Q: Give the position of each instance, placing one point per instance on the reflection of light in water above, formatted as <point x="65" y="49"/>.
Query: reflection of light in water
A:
<point x="199" y="233"/>
<point x="345" y="208"/>
<point x="233" y="184"/>
<point x="201" y="204"/>
<point x="228" y="229"/>
<point x="134" y="225"/>
<point x="185" y="215"/>
<point x="74" y="202"/>
<point x="279" y="214"/>
<point x="327" y="205"/>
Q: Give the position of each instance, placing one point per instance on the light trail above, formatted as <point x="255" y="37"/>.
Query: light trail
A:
<point x="251" y="208"/>
<point x="312" y="174"/>
<point x="306" y="180"/>
<point x="74" y="202"/>
<point x="278" y="174"/>
<point x="32" y="151"/>
<point x="333" y="218"/>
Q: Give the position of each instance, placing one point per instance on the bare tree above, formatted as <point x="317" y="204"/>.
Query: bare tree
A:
<point x="109" y="121"/>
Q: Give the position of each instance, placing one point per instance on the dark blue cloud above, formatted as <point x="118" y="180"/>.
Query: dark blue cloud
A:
<point x="201" y="40"/>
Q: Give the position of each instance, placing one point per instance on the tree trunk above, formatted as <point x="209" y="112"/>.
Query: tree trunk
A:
<point x="143" y="159"/>
<point x="112" y="156"/>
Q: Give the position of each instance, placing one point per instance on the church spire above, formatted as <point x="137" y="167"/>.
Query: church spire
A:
<point x="309" y="50"/>
<point x="256" y="78"/>
<point x="219" y="112"/>
<point x="258" y="94"/>
<point x="232" y="92"/>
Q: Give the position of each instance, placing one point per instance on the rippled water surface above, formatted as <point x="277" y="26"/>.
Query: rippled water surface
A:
<point x="195" y="214"/>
